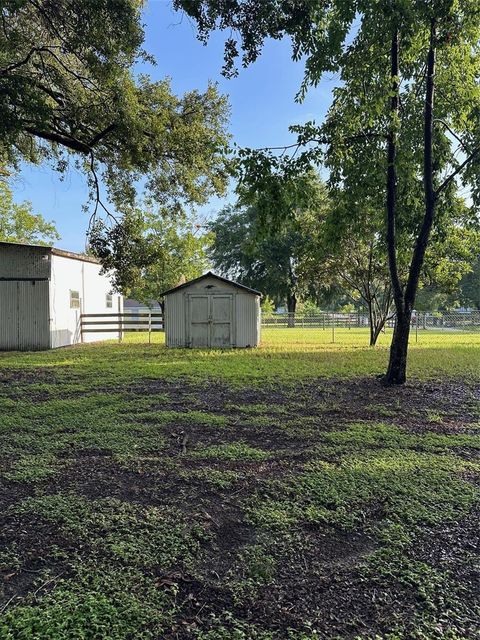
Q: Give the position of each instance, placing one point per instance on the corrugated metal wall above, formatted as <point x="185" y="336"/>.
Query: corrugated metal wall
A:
<point x="21" y="261"/>
<point x="175" y="320"/>
<point x="247" y="320"/>
<point x="24" y="315"/>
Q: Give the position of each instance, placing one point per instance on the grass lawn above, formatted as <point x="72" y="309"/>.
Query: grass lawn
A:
<point x="282" y="492"/>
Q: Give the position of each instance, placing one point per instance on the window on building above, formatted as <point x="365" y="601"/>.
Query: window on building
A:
<point x="109" y="301"/>
<point x="74" y="299"/>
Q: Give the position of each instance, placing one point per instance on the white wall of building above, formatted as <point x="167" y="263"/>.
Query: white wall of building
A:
<point x="70" y="274"/>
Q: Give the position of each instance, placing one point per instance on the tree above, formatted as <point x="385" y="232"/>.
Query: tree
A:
<point x="267" y="306"/>
<point x="18" y="223"/>
<point x="67" y="90"/>
<point x="148" y="253"/>
<point x="242" y="251"/>
<point x="348" y="252"/>
<point x="448" y="261"/>
<point x="360" y="270"/>
<point x="470" y="287"/>
<point x="251" y="246"/>
<point x="404" y="121"/>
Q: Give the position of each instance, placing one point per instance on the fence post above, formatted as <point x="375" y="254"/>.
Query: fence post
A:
<point x="333" y="328"/>
<point x="150" y="327"/>
<point x="323" y="319"/>
<point x="416" y="326"/>
<point x="120" y="320"/>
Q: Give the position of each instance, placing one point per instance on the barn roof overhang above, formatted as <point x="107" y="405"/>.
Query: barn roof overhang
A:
<point x="53" y="251"/>
<point x="209" y="274"/>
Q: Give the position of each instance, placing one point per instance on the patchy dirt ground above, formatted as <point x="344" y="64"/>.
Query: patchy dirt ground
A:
<point x="172" y="509"/>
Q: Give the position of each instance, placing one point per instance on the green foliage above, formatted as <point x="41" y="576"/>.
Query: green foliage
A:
<point x="98" y="602"/>
<point x="470" y="287"/>
<point x="267" y="305"/>
<point x="18" y="223"/>
<point x="68" y="90"/>
<point x="264" y="249"/>
<point x="122" y="531"/>
<point x="309" y="308"/>
<point x="33" y="468"/>
<point x="227" y="627"/>
<point x="149" y="254"/>
<point x="108" y="592"/>
<point x="410" y="477"/>
<point x="122" y="250"/>
<point x="232" y="451"/>
<point x="213" y="477"/>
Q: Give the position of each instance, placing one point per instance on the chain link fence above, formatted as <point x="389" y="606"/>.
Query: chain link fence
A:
<point x="355" y="327"/>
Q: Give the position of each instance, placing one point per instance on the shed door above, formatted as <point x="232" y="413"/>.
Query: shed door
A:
<point x="211" y="320"/>
<point x="221" y="321"/>
<point x="24" y="315"/>
<point x="199" y="321"/>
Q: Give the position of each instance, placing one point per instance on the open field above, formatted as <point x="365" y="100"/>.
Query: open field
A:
<point x="273" y="493"/>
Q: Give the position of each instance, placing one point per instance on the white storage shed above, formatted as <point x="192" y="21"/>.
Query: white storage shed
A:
<point x="212" y="312"/>
<point x="43" y="292"/>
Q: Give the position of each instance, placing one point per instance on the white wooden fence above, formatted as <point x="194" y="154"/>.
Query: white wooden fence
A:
<point x="149" y="321"/>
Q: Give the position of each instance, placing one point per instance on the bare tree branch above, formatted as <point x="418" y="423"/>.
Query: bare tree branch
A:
<point x="457" y="171"/>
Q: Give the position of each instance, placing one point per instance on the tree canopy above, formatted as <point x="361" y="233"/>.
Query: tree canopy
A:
<point x="265" y="248"/>
<point x="266" y="262"/>
<point x="348" y="253"/>
<point x="18" y="222"/>
<point x="470" y="287"/>
<point x="68" y="90"/>
<point x="147" y="253"/>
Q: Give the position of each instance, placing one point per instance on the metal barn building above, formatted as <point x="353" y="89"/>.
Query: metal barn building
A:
<point x="43" y="292"/>
<point x="212" y="312"/>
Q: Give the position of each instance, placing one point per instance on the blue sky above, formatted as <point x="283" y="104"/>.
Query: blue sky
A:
<point x="261" y="99"/>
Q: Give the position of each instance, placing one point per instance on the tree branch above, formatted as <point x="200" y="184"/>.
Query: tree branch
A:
<point x="327" y="141"/>
<point x="66" y="141"/>
<point x="20" y="63"/>
<point x="458" y="170"/>
<point x="69" y="141"/>
<point x="452" y="133"/>
<point x="101" y="134"/>
<point x="98" y="200"/>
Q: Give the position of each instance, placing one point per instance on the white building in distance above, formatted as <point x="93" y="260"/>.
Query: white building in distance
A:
<point x="43" y="292"/>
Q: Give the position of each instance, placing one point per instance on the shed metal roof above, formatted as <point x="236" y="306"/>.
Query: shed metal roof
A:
<point x="209" y="274"/>
<point x="53" y="251"/>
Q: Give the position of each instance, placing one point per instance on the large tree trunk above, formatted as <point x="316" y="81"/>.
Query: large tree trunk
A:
<point x="404" y="301"/>
<point x="397" y="366"/>
<point x="291" y="308"/>
<point x="398" y="353"/>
